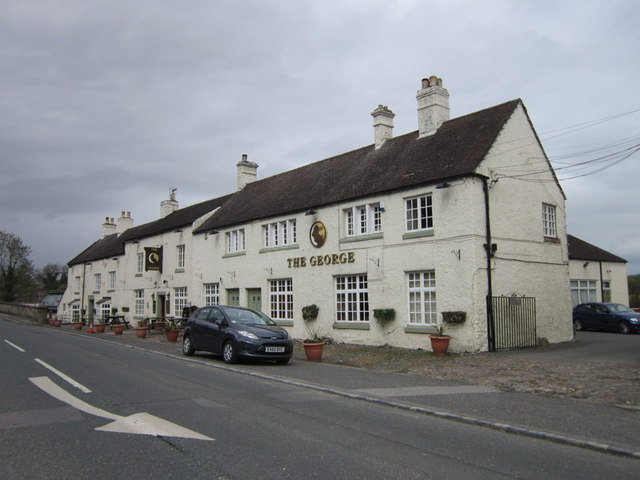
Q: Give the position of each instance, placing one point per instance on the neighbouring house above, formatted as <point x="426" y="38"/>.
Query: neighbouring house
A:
<point x="461" y="219"/>
<point x="596" y="275"/>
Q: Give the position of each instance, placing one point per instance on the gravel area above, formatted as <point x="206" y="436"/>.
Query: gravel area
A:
<point x="614" y="385"/>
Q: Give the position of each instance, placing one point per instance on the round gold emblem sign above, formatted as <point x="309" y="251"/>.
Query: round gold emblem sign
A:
<point x="318" y="234"/>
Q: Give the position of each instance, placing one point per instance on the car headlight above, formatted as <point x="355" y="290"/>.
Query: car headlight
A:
<point x="246" y="334"/>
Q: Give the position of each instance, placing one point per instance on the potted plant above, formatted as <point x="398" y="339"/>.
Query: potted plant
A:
<point x="384" y="315"/>
<point x="100" y="326"/>
<point x="313" y="345"/>
<point x="172" y="330"/>
<point x="440" y="341"/>
<point x="118" y="328"/>
<point x="310" y="312"/>
<point x="142" y="328"/>
<point x="77" y="325"/>
<point x="57" y="322"/>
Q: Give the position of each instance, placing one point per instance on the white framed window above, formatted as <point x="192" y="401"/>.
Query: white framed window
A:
<point x="140" y="265"/>
<point x="549" y="221"/>
<point x="97" y="282"/>
<point x="419" y="213"/>
<point x="281" y="299"/>
<point x="212" y="294"/>
<point x="138" y="304"/>
<point x="278" y="234"/>
<point x="235" y="241"/>
<point x="363" y="220"/>
<point x="105" y="311"/>
<point x="352" y="298"/>
<point x="421" y="288"/>
<point x="583" y="291"/>
<point x="75" y="312"/>
<point x="179" y="299"/>
<point x="78" y="284"/>
<point x="180" y="256"/>
<point x="112" y="280"/>
<point x="606" y="291"/>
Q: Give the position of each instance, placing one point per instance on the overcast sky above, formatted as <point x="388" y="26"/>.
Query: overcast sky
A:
<point x="106" y="105"/>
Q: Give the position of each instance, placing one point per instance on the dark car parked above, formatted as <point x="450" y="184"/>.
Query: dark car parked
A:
<point x="605" y="316"/>
<point x="236" y="332"/>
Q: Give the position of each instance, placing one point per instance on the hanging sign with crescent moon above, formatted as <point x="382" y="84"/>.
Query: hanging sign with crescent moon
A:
<point x="153" y="259"/>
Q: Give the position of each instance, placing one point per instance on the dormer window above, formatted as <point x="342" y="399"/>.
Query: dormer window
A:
<point x="363" y="220"/>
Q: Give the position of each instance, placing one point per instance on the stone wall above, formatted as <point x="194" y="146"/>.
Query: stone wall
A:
<point x="40" y="314"/>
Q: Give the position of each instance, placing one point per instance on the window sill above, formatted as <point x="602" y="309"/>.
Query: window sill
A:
<point x="552" y="239"/>
<point x="362" y="238"/>
<point x="179" y="270"/>
<point x="139" y="274"/>
<point x="351" y="326"/>
<point x="279" y="249"/>
<point x="234" y="254"/>
<point x="422" y="329"/>
<point x="284" y="323"/>
<point x="418" y="234"/>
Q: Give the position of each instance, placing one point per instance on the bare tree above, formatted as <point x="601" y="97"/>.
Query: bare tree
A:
<point x="16" y="270"/>
<point x="53" y="277"/>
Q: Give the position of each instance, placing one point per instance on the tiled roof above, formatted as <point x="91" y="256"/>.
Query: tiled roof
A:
<point x="113" y="245"/>
<point x="581" y="250"/>
<point x="456" y="149"/>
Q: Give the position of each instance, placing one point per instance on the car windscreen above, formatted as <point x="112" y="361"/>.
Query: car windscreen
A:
<point x="618" y="308"/>
<point x="248" y="317"/>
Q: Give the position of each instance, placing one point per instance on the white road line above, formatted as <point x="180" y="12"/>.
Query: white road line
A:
<point x="139" y="423"/>
<point x="66" y="378"/>
<point x="15" y="346"/>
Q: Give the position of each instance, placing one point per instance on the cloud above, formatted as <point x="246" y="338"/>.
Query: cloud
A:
<point x="108" y="104"/>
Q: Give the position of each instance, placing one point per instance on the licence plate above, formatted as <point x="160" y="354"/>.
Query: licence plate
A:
<point x="274" y="349"/>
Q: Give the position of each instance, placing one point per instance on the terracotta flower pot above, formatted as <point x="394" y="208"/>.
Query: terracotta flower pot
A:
<point x="117" y="329"/>
<point x="141" y="332"/>
<point x="440" y="344"/>
<point x="99" y="327"/>
<point x="172" y="335"/>
<point x="77" y="325"/>
<point x="313" y="351"/>
<point x="57" y="323"/>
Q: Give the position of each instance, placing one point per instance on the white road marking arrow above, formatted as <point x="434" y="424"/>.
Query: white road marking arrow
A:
<point x="139" y="423"/>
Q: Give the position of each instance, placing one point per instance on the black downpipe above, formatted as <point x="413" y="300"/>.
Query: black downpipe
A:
<point x="489" y="250"/>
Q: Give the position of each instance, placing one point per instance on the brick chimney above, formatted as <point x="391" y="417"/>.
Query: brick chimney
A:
<point x="433" y="105"/>
<point x="167" y="207"/>
<point x="247" y="172"/>
<point x="108" y="227"/>
<point x="125" y="222"/>
<point x="382" y="124"/>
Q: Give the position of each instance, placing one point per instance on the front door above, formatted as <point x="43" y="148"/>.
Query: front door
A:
<point x="254" y="298"/>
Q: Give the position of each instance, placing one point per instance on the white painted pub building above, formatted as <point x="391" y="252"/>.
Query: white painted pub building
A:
<point x="462" y="215"/>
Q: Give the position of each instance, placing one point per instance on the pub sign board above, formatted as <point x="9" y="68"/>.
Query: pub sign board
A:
<point x="153" y="259"/>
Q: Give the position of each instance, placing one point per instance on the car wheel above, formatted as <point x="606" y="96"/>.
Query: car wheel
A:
<point x="187" y="348"/>
<point x="623" y="327"/>
<point x="229" y="353"/>
<point x="577" y="325"/>
<point x="283" y="361"/>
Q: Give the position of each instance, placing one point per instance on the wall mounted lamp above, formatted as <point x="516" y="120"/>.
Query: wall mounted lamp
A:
<point x="310" y="212"/>
<point x="443" y="185"/>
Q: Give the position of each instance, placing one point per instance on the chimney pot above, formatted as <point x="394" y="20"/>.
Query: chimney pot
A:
<point x="382" y="125"/>
<point x="433" y="105"/>
<point x="246" y="172"/>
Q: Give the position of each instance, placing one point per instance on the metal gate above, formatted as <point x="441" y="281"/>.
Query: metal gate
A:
<point x="514" y="321"/>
